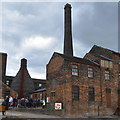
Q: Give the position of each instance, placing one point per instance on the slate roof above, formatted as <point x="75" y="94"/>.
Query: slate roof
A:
<point x="39" y="90"/>
<point x="98" y="48"/>
<point x="77" y="59"/>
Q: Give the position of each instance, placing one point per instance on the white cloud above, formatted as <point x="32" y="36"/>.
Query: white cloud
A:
<point x="34" y="74"/>
<point x="38" y="42"/>
<point x="32" y="30"/>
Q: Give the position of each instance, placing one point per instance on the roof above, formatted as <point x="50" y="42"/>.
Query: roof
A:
<point x="96" y="47"/>
<point x="9" y="77"/>
<point x="77" y="59"/>
<point x="39" y="90"/>
<point x="39" y="79"/>
<point x="106" y="58"/>
<point x="34" y="79"/>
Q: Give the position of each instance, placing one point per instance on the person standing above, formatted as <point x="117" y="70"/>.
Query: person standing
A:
<point x="10" y="101"/>
<point x="7" y="102"/>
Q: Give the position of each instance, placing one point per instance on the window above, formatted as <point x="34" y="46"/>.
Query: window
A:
<point x="90" y="72"/>
<point x="119" y="91"/>
<point x="118" y="61"/>
<point x="53" y="94"/>
<point x="107" y="64"/>
<point x="75" y="70"/>
<point x="107" y="75"/>
<point x="75" y="92"/>
<point x="110" y="64"/>
<point x="108" y="90"/>
<point x="119" y="77"/>
<point x="7" y="82"/>
<point x="41" y="96"/>
<point x="91" y="95"/>
<point x="102" y="63"/>
<point x="40" y="85"/>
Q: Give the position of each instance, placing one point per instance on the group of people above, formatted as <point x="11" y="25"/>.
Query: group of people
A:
<point x="23" y="102"/>
<point x="10" y="101"/>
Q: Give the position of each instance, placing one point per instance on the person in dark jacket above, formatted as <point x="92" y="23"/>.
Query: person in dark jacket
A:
<point x="7" y="102"/>
<point x="3" y="108"/>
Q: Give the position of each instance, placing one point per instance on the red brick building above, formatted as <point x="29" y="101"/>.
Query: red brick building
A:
<point x="83" y="85"/>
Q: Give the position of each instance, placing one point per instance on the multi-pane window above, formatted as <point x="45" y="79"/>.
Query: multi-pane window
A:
<point x="53" y="94"/>
<point x="91" y="94"/>
<point x="75" y="70"/>
<point x="90" y="72"/>
<point x="75" y="92"/>
<point x="107" y="64"/>
<point x="107" y="75"/>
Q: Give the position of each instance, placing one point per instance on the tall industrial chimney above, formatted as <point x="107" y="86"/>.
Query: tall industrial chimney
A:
<point x="68" y="47"/>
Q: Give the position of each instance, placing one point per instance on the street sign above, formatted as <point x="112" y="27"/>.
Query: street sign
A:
<point x="58" y="106"/>
<point x="48" y="99"/>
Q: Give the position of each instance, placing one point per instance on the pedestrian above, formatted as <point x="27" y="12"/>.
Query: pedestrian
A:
<point x="7" y="102"/>
<point x="2" y="106"/>
<point x="15" y="102"/>
<point x="26" y="101"/>
<point x="10" y="101"/>
<point x="19" y="103"/>
<point x="43" y="105"/>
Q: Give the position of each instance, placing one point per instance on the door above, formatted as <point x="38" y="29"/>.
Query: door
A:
<point x="108" y="97"/>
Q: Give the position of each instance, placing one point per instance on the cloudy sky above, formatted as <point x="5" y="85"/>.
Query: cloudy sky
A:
<point x="35" y="30"/>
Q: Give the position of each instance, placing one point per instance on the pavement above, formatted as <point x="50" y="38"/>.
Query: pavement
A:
<point x="31" y="113"/>
<point x="17" y="114"/>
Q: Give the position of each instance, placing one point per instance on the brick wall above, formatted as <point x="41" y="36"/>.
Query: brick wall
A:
<point x="60" y="80"/>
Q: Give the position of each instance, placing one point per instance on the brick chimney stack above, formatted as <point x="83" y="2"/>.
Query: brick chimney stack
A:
<point x="23" y="62"/>
<point x="68" y="47"/>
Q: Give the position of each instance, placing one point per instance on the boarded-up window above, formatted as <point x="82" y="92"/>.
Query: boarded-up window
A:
<point x="107" y="75"/>
<point x="75" y="92"/>
<point x="91" y="94"/>
<point x="75" y="70"/>
<point x="108" y="97"/>
<point x="90" y="72"/>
